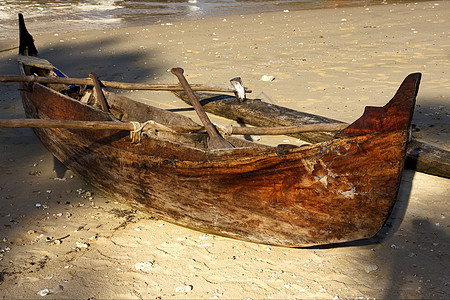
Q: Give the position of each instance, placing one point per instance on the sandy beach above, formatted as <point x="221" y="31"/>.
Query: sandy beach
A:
<point x="60" y="234"/>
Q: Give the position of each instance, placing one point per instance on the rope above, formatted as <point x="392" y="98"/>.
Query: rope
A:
<point x="135" y="134"/>
<point x="138" y="128"/>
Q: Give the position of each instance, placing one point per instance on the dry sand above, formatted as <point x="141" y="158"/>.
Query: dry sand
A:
<point x="57" y="231"/>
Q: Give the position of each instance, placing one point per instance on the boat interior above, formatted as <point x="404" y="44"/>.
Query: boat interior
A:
<point x="124" y="109"/>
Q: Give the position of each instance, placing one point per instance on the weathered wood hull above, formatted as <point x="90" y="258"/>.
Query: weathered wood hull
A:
<point x="336" y="191"/>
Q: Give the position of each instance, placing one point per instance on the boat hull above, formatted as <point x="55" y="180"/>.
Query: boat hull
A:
<point x="331" y="192"/>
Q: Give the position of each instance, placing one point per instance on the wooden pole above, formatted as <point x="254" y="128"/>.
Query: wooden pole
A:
<point x="105" y="125"/>
<point x="289" y="129"/>
<point x="69" y="124"/>
<point x="117" y="85"/>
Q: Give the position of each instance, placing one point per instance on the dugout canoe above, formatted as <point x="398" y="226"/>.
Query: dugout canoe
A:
<point x="331" y="192"/>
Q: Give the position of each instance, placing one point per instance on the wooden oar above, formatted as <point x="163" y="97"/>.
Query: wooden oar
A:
<point x="117" y="85"/>
<point x="216" y="141"/>
<point x="105" y="125"/>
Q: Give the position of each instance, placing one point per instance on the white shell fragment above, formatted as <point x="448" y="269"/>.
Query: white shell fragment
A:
<point x="267" y="78"/>
<point x="184" y="288"/>
<point x="56" y="289"/>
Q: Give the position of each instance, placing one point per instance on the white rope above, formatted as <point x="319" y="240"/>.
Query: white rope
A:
<point x="135" y="134"/>
<point x="138" y="128"/>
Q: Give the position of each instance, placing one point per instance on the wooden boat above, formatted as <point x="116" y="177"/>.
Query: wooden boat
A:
<point x="335" y="191"/>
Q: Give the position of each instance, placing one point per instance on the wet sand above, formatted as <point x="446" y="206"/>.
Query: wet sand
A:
<point x="71" y="16"/>
<point x="55" y="230"/>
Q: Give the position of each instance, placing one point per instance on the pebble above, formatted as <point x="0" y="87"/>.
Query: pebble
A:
<point x="145" y="266"/>
<point x="56" y="242"/>
<point x="82" y="245"/>
<point x="371" y="268"/>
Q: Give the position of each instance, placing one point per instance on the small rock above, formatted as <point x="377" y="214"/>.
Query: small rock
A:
<point x="371" y="268"/>
<point x="82" y="245"/>
<point x="144" y="266"/>
<point x="56" y="242"/>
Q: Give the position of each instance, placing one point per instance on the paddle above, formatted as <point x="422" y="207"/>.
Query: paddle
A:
<point x="117" y="85"/>
<point x="216" y="141"/>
